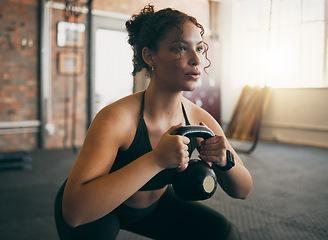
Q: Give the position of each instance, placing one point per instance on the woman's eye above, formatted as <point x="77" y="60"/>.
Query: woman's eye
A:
<point x="200" y="49"/>
<point x="182" y="48"/>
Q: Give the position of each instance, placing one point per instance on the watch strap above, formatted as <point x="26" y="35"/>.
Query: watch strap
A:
<point x="230" y="162"/>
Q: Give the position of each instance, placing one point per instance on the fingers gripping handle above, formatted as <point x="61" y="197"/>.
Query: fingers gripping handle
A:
<point x="193" y="131"/>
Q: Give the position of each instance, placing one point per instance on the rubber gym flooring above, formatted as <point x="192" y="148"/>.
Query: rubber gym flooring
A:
<point x="289" y="199"/>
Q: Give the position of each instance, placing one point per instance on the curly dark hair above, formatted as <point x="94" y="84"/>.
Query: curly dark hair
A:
<point x="148" y="27"/>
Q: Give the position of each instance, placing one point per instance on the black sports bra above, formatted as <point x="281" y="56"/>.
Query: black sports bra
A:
<point x="140" y="146"/>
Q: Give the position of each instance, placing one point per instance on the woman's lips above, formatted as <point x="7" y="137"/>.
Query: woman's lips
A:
<point x="193" y="74"/>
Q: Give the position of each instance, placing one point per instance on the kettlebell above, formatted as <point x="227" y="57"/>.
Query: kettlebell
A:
<point x="198" y="181"/>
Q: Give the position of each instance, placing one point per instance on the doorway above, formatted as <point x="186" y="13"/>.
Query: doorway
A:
<point x="112" y="62"/>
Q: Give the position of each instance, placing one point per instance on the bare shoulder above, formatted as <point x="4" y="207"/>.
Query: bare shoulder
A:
<point x="195" y="113"/>
<point x="122" y="109"/>
<point x="119" y="119"/>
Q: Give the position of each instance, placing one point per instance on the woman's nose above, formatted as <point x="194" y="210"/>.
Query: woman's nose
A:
<point x="195" y="58"/>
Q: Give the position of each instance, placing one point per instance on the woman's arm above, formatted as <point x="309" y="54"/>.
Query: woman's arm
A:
<point x="236" y="182"/>
<point x="91" y="192"/>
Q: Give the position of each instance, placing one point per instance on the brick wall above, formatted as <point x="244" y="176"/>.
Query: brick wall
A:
<point x="18" y="72"/>
<point x="65" y="103"/>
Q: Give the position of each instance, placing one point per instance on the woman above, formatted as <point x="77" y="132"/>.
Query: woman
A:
<point x="121" y="175"/>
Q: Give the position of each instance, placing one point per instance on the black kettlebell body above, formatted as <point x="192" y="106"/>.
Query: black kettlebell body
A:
<point x="198" y="181"/>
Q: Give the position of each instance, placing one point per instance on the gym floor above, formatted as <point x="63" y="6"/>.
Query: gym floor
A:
<point x="288" y="201"/>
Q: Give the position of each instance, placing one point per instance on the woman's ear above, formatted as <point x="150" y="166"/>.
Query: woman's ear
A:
<point x="147" y="56"/>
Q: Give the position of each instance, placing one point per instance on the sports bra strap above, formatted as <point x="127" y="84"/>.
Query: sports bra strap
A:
<point x="142" y="104"/>
<point x="185" y="115"/>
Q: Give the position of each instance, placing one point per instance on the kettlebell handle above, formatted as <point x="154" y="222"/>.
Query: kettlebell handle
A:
<point x="194" y="131"/>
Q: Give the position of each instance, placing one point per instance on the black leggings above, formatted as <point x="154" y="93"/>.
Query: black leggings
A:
<point x="169" y="218"/>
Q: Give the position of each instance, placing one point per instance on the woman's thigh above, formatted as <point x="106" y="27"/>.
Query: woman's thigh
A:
<point x="177" y="219"/>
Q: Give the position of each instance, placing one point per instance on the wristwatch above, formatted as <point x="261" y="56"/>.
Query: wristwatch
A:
<point x="230" y="162"/>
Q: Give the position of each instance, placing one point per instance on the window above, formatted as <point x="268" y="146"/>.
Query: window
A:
<point x="280" y="43"/>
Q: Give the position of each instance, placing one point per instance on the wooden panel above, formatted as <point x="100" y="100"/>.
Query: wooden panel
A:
<point x="245" y="121"/>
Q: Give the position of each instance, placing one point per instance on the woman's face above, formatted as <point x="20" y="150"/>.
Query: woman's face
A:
<point x="179" y="60"/>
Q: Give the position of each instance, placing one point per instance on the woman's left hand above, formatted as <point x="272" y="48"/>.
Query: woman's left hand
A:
<point x="214" y="150"/>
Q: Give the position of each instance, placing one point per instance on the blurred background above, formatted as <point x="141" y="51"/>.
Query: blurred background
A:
<point x="62" y="61"/>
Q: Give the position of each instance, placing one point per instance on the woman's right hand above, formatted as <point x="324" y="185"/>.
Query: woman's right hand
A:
<point x="172" y="150"/>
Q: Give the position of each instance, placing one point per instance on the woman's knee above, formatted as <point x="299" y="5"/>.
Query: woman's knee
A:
<point x="233" y="233"/>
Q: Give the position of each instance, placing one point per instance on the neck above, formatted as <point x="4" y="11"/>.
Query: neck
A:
<point x="163" y="105"/>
